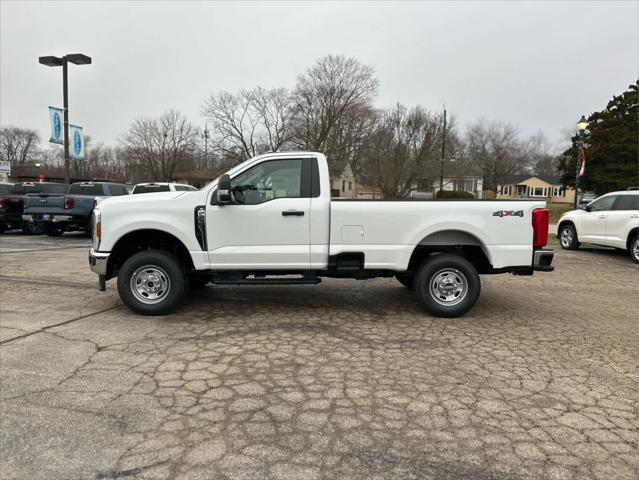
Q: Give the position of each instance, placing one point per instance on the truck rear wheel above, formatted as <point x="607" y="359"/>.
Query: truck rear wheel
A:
<point x="152" y="282"/>
<point x="32" y="228"/>
<point x="447" y="285"/>
<point x="55" y="230"/>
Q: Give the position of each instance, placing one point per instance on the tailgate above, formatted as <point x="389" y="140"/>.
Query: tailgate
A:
<point x="44" y="203"/>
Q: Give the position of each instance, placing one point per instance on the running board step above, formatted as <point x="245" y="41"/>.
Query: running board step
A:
<point x="269" y="281"/>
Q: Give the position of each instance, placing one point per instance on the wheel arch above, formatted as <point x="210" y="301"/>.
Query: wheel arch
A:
<point x="458" y="242"/>
<point x="631" y="235"/>
<point x="146" y="239"/>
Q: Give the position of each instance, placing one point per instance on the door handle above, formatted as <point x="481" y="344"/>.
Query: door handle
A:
<point x="292" y="213"/>
<point x="634" y="216"/>
<point x="602" y="216"/>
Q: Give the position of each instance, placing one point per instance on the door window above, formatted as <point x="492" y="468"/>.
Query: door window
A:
<point x="602" y="204"/>
<point x="627" y="202"/>
<point x="267" y="181"/>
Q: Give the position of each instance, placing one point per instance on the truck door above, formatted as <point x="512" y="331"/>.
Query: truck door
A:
<point x="267" y="224"/>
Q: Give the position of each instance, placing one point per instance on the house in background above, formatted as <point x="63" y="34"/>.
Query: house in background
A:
<point x="343" y="183"/>
<point x="426" y="188"/>
<point x="542" y="187"/>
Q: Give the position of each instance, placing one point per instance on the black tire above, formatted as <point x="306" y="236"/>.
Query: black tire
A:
<point x="3" y="227"/>
<point x="633" y="249"/>
<point x="55" y="230"/>
<point x="568" y="237"/>
<point x="197" y="281"/>
<point x="457" y="290"/>
<point x="32" y="228"/>
<point x="88" y="229"/>
<point x="155" y="269"/>
<point x="406" y="279"/>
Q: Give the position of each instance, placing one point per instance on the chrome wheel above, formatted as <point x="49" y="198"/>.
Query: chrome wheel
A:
<point x="567" y="237"/>
<point x="150" y="284"/>
<point x="634" y="250"/>
<point x="448" y="287"/>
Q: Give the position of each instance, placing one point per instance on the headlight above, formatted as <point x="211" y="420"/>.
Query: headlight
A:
<point x="97" y="228"/>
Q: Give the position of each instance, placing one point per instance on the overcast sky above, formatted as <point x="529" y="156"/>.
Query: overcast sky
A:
<point x="538" y="65"/>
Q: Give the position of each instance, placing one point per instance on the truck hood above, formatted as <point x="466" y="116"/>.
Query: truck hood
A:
<point x="141" y="198"/>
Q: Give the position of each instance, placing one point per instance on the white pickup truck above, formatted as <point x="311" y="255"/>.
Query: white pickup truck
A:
<point x="271" y="221"/>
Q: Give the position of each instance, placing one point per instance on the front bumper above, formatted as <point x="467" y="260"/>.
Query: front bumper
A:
<point x="542" y="259"/>
<point x="98" y="262"/>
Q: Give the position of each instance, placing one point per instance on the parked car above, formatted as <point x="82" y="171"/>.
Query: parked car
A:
<point x="612" y="221"/>
<point x="71" y="211"/>
<point x="12" y="203"/>
<point x="155" y="187"/>
<point x="271" y="218"/>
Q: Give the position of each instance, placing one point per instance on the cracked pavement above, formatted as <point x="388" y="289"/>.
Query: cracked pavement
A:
<point x="346" y="380"/>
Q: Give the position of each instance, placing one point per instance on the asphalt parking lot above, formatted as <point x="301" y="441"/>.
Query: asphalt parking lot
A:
<point x="345" y="380"/>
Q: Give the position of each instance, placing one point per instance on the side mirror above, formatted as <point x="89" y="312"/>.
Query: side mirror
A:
<point x="224" y="189"/>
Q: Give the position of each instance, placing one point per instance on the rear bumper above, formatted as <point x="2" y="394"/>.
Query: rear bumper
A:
<point x="542" y="259"/>
<point x="45" y="217"/>
<point x="98" y="262"/>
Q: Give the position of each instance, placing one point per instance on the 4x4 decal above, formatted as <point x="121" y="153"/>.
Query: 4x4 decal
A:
<point x="508" y="213"/>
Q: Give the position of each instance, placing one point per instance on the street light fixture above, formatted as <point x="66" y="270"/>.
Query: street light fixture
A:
<point x="582" y="127"/>
<point x="52" y="61"/>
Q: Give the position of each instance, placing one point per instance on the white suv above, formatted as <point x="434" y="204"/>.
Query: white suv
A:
<point x="153" y="187"/>
<point x="612" y="221"/>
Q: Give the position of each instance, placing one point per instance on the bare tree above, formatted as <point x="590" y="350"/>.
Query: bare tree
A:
<point x="332" y="104"/>
<point x="19" y="145"/>
<point x="405" y="146"/>
<point x="538" y="156"/>
<point x="496" y="150"/>
<point x="158" y="147"/>
<point x="250" y="122"/>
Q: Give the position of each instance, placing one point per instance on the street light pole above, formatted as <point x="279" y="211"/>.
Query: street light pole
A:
<point x="441" y="170"/>
<point x="581" y="130"/>
<point x="65" y="101"/>
<point x="52" y="61"/>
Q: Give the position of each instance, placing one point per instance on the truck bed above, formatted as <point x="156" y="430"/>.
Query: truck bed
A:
<point x="387" y="231"/>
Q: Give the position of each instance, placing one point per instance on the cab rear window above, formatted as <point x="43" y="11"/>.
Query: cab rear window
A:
<point x="85" y="189"/>
<point x="49" y="188"/>
<point x="151" y="188"/>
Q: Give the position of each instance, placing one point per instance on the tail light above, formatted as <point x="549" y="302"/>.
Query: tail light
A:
<point x="95" y="202"/>
<point x="68" y="203"/>
<point x="24" y="203"/>
<point x="540" y="221"/>
<point x="3" y="202"/>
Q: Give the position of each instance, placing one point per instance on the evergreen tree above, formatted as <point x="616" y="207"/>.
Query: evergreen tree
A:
<point x="612" y="155"/>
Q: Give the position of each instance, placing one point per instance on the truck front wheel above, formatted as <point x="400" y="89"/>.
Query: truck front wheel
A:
<point x="152" y="282"/>
<point x="447" y="285"/>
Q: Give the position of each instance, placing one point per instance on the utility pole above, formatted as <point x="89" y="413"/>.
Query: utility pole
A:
<point x="206" y="144"/>
<point x="441" y="170"/>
